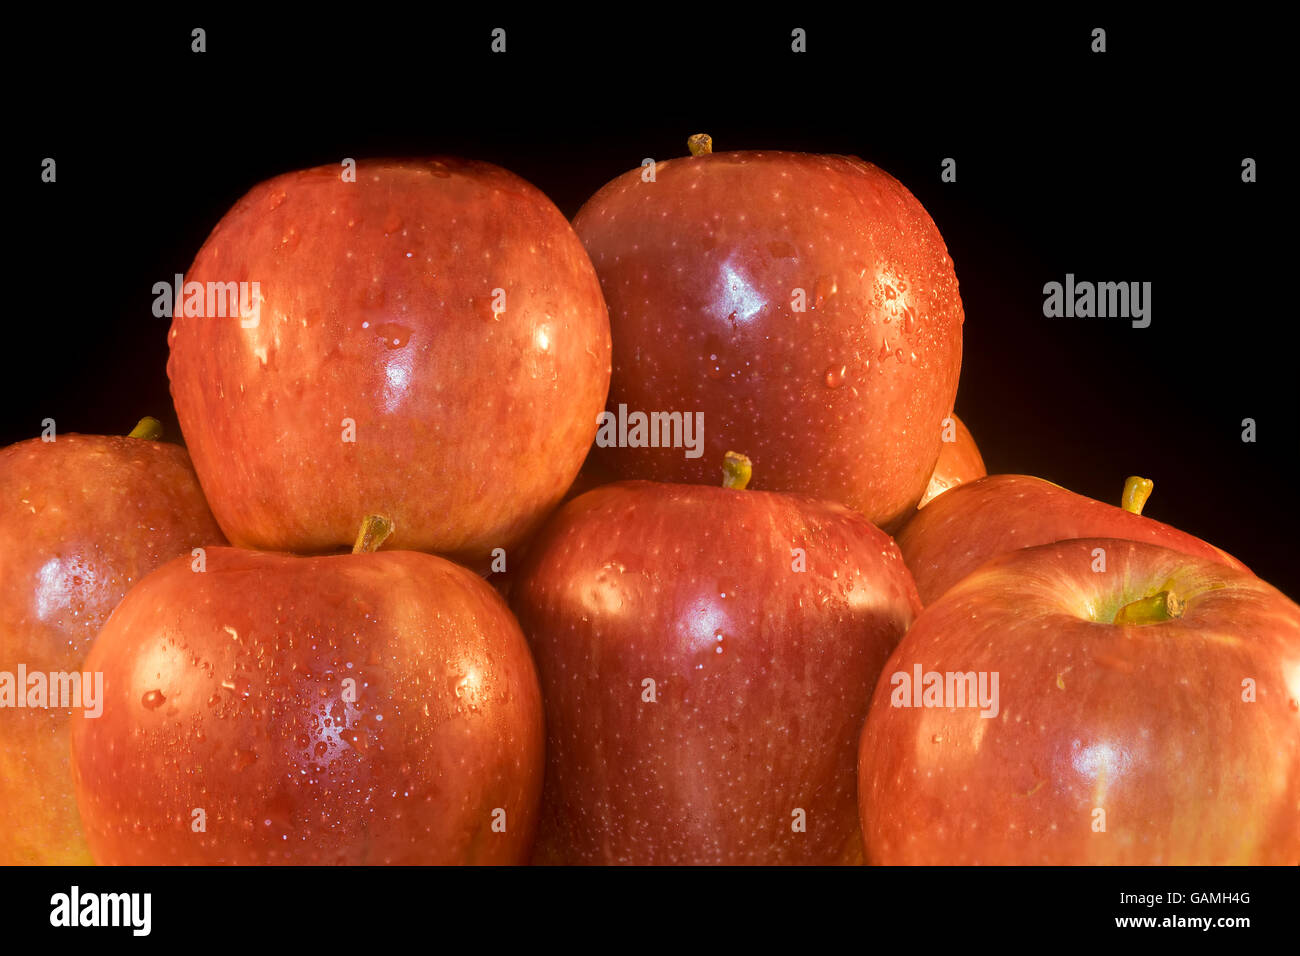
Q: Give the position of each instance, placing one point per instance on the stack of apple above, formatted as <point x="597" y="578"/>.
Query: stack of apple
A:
<point x="708" y="656"/>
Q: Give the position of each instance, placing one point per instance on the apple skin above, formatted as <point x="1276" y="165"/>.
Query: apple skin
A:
<point x="378" y="307"/>
<point x="959" y="462"/>
<point x="249" y="658"/>
<point x="841" y="402"/>
<point x="956" y="533"/>
<point x="636" y="581"/>
<point x="84" y="517"/>
<point x="1144" y="722"/>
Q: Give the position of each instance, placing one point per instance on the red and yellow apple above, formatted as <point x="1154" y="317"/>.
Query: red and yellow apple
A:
<point x="964" y="527"/>
<point x="1141" y="708"/>
<point x="361" y="709"/>
<point x="959" y="462"/>
<point x="804" y="304"/>
<point x="413" y="336"/>
<point x="84" y="517"/>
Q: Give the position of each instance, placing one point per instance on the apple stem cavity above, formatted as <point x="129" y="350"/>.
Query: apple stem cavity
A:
<point x="1159" y="607"/>
<point x="700" y="144"/>
<point x="736" y="470"/>
<point x="1136" y="492"/>
<point x="149" y="429"/>
<point x="374" y="529"/>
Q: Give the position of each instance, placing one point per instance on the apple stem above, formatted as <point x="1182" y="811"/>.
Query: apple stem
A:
<point x="150" y="429"/>
<point x="1136" y="492"/>
<point x="736" y="470"/>
<point x="374" y="529"/>
<point x="701" y="144"/>
<point x="1163" y="606"/>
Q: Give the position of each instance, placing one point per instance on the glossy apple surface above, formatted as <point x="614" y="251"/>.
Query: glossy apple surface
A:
<point x="760" y="674"/>
<point x="964" y="527"/>
<point x="228" y="693"/>
<point x="443" y="308"/>
<point x="83" y="518"/>
<point x="1175" y="742"/>
<point x="805" y="304"/>
<point x="959" y="462"/>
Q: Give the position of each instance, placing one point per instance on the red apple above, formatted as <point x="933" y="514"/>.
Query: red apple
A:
<point x="703" y="695"/>
<point x="85" y="516"/>
<point x="966" y="526"/>
<point x="959" y="462"/>
<point x="364" y="708"/>
<point x="804" y="304"/>
<point x="1144" y="714"/>
<point x="428" y="341"/>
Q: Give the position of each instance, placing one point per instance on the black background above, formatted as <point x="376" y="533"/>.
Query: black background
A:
<point x="596" y="909"/>
<point x="1124" y="166"/>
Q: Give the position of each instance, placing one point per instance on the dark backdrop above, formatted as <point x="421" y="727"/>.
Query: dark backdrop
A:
<point x="1122" y="166"/>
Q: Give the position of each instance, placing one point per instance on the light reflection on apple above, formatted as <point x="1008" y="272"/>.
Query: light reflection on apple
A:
<point x="397" y="380"/>
<point x="51" y="595"/>
<point x="738" y="298"/>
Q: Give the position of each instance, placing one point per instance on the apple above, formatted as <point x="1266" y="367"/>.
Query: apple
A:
<point x="1142" y="714"/>
<point x="959" y="461"/>
<point x="706" y="657"/>
<point x="804" y="304"/>
<point x="369" y="708"/>
<point x="964" y="527"/>
<point x="84" y="517"/>
<point x="429" y="340"/>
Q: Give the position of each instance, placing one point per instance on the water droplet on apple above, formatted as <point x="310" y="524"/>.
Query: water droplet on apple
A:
<point x="909" y="320"/>
<point x="439" y="169"/>
<point x="835" y="375"/>
<point x="393" y="335"/>
<point x="278" y="812"/>
<point x="152" y="699"/>
<point x="276" y="199"/>
<point x="899" y="354"/>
